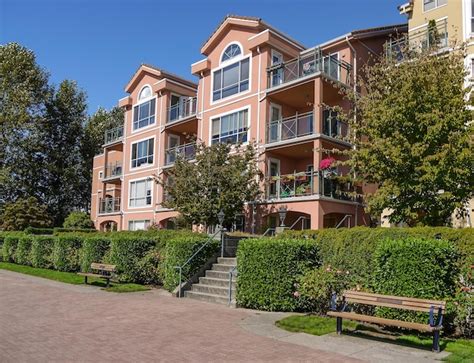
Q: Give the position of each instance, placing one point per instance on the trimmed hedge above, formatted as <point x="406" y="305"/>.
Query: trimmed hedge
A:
<point x="269" y="270"/>
<point x="66" y="253"/>
<point x="93" y="250"/>
<point x="42" y="251"/>
<point x="178" y="250"/>
<point x="56" y="231"/>
<point x="23" y="250"/>
<point x="10" y="244"/>
<point x="38" y="231"/>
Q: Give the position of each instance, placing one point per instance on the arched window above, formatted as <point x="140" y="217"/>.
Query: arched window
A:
<point x="230" y="52"/>
<point x="145" y="93"/>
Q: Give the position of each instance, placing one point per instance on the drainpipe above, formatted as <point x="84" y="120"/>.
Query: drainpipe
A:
<point x="258" y="92"/>
<point x="202" y="106"/>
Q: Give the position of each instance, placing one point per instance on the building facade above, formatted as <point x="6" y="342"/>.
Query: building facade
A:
<point x="255" y="83"/>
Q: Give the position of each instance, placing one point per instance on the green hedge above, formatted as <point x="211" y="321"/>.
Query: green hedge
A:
<point x="66" y="253"/>
<point x="23" y="250"/>
<point x="58" y="230"/>
<point x="269" y="270"/>
<point x="42" y="251"/>
<point x="93" y="250"/>
<point x="415" y="267"/>
<point x="38" y="231"/>
<point x="178" y="250"/>
<point x="10" y="244"/>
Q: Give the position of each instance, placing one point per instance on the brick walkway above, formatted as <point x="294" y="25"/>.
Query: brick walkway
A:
<point x="42" y="320"/>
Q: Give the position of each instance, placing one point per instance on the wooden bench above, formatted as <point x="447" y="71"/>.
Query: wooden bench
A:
<point x="433" y="307"/>
<point x="100" y="270"/>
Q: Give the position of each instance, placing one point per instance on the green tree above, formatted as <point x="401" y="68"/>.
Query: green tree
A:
<point x="218" y="179"/>
<point x="78" y="220"/>
<point x="413" y="136"/>
<point x="24" y="213"/>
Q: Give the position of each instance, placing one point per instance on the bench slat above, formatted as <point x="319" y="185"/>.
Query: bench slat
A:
<point x="369" y="296"/>
<point x="89" y="274"/>
<point x="102" y="266"/>
<point x="390" y="304"/>
<point x="383" y="321"/>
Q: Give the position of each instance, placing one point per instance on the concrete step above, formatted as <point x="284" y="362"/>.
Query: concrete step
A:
<point x="217" y="282"/>
<point x="208" y="297"/>
<point x="218" y="274"/>
<point x="227" y="261"/>
<point x="213" y="290"/>
<point x="222" y="267"/>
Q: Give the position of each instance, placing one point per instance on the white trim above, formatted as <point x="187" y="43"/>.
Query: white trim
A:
<point x="177" y="83"/>
<point x="154" y="153"/>
<point x="276" y="105"/>
<point x="278" y="35"/>
<point x="141" y="89"/>
<point x="139" y="220"/>
<point x="231" y="60"/>
<point x="151" y="191"/>
<point x="147" y="210"/>
<point x="202" y="60"/>
<point x="249" y="116"/>
<point x="133" y="114"/>
<point x="436" y="6"/>
<point x="424" y="25"/>
<point x="120" y="99"/>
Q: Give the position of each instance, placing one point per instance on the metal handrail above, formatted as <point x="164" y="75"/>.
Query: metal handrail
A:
<point x="269" y="230"/>
<point x="180" y="268"/>
<point x="231" y="274"/>
<point x="180" y="149"/>
<point x="113" y="135"/>
<point x="182" y="110"/>
<point x="299" y="218"/>
<point x="290" y="128"/>
<point x="113" y="170"/>
<point x="347" y="216"/>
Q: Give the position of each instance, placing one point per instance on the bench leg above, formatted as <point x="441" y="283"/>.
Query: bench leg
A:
<point x="108" y="283"/>
<point x="338" y="325"/>
<point x="436" y="341"/>
<point x="85" y="280"/>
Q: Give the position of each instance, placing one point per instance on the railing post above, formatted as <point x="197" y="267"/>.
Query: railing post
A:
<point x="180" y="280"/>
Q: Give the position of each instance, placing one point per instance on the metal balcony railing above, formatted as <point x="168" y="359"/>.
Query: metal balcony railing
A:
<point x="113" y="135"/>
<point x="333" y="127"/>
<point x="300" y="184"/>
<point x="290" y="127"/>
<point x="419" y="40"/>
<point x="109" y="205"/>
<point x="307" y="64"/>
<point x="113" y="170"/>
<point x="182" y="110"/>
<point x="188" y="151"/>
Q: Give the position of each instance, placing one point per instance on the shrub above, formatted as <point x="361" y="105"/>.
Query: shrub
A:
<point x="23" y="250"/>
<point x="178" y="250"/>
<point x="39" y="231"/>
<point x="41" y="251"/>
<point x="9" y="247"/>
<point x="414" y="267"/>
<point x="66" y="253"/>
<point x="25" y="213"/>
<point x="57" y="231"/>
<point x="78" y="220"/>
<point x="126" y="252"/>
<point x="93" y="250"/>
<point x="269" y="269"/>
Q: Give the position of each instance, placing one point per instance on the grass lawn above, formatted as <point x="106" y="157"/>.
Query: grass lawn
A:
<point x="70" y="278"/>
<point x="462" y="350"/>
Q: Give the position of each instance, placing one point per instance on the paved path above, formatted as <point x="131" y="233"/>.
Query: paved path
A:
<point x="47" y="321"/>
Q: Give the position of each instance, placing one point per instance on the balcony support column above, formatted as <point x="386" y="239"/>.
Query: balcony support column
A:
<point x="317" y="105"/>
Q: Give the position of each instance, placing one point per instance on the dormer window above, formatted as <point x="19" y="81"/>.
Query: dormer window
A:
<point x="144" y="93"/>
<point x="231" y="51"/>
<point x="144" y="111"/>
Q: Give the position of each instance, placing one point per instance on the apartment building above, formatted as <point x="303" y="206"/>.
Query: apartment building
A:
<point x="255" y="83"/>
<point x="454" y="21"/>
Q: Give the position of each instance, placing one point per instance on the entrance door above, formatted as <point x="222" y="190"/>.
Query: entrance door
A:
<point x="275" y="123"/>
<point x="274" y="173"/>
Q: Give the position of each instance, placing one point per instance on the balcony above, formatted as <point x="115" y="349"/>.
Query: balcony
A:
<point x="333" y="127"/>
<point x="109" y="205"/>
<point x="308" y="64"/>
<point x="113" y="171"/>
<point x="413" y="43"/>
<point x="310" y="183"/>
<point x="113" y="136"/>
<point x="187" y="151"/>
<point x="182" y="110"/>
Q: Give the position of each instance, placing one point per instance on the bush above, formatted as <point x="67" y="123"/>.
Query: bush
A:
<point x="269" y="270"/>
<point x="178" y="250"/>
<point x="78" y="220"/>
<point x="41" y="251"/>
<point x="415" y="267"/>
<point x="39" y="231"/>
<point x="10" y="244"/>
<point x="126" y="252"/>
<point x="24" y="213"/>
<point x="23" y="250"/>
<point x="57" y="231"/>
<point x="93" y="250"/>
<point x="66" y="253"/>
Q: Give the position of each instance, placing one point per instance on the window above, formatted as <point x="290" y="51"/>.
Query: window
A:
<point x="277" y="74"/>
<point x="145" y="93"/>
<point x="101" y="174"/>
<point x="230" y="128"/>
<point x="138" y="225"/>
<point x="142" y="153"/>
<point x="140" y="193"/>
<point x="431" y="4"/>
<point x="331" y="65"/>
<point x="144" y="114"/>
<point x="231" y="80"/>
<point x="230" y="52"/>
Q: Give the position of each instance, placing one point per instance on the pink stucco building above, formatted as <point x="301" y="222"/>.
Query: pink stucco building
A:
<point x="254" y="83"/>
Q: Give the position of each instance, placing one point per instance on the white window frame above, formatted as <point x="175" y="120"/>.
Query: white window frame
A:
<point x="329" y="56"/>
<point x="436" y="5"/>
<point x="147" y="223"/>
<point x="147" y="165"/>
<point x="101" y="175"/>
<point x="139" y="103"/>
<point x="248" y="108"/>
<point x="147" y="179"/>
<point x="230" y="60"/>
<point x="277" y="54"/>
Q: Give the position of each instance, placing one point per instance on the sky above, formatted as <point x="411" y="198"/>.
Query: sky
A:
<point x="101" y="43"/>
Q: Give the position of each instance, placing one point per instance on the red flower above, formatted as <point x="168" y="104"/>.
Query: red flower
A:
<point x="326" y="163"/>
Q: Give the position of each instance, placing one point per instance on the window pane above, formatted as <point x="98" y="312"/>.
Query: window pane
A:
<point x="217" y="80"/>
<point x="135" y="113"/>
<point x="244" y="69"/>
<point x="442" y="2"/>
<point x="215" y="126"/>
<point x="428" y="4"/>
<point x="152" y="107"/>
<point x="230" y="75"/>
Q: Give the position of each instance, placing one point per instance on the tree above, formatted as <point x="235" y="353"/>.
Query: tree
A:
<point x="79" y="220"/>
<point x="24" y="213"/>
<point x="218" y="179"/>
<point x="412" y="136"/>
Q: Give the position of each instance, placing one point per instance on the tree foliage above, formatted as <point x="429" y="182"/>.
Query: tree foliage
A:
<point x="218" y="179"/>
<point x="24" y="213"/>
<point x="79" y="220"/>
<point x="412" y="136"/>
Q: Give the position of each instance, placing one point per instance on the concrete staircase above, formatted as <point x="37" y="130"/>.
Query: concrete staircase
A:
<point x="214" y="286"/>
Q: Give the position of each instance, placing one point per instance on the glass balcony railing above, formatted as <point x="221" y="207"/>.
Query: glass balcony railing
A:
<point x="306" y="183"/>
<point x="113" y="170"/>
<point x="333" y="127"/>
<point x="307" y="64"/>
<point x="113" y="135"/>
<point x="109" y="205"/>
<point x="182" y="110"/>
<point x="188" y="151"/>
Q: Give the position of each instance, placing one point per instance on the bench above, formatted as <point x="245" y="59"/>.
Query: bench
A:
<point x="100" y="270"/>
<point x="433" y="307"/>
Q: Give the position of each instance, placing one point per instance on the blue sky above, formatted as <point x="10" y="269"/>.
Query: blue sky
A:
<point x="100" y="43"/>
